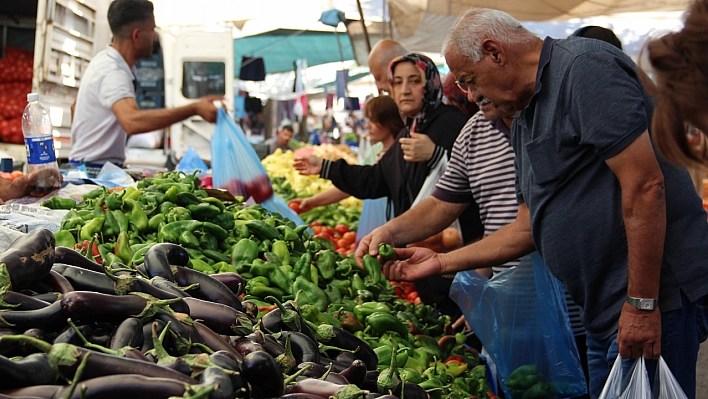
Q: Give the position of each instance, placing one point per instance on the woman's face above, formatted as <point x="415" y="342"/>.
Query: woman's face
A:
<point x="408" y="88"/>
<point x="377" y="132"/>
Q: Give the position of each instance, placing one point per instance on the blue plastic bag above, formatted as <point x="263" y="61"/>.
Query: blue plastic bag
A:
<point x="521" y="317"/>
<point x="191" y="162"/>
<point x="373" y="215"/>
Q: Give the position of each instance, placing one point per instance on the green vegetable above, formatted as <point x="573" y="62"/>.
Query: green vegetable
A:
<point x="372" y="268"/>
<point x="64" y="238"/>
<point x="386" y="252"/>
<point x="523" y="377"/>
<point x="311" y="293"/>
<point x="136" y="215"/>
<point x="59" y="203"/>
<point x="244" y="252"/>
<point x="382" y="322"/>
<point x="122" y="249"/>
<point x="91" y="228"/>
<point x="326" y="263"/>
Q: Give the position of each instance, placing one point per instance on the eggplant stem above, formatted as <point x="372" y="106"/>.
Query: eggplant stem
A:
<point x="37" y="343"/>
<point x="329" y="370"/>
<point x="77" y="376"/>
<point x="91" y="345"/>
<point x="203" y="347"/>
<point x="160" y="352"/>
<point x="292" y="378"/>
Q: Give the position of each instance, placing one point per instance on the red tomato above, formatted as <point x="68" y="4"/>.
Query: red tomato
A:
<point x="315" y="224"/>
<point x="341" y="228"/>
<point x="295" y="206"/>
<point x="342" y="251"/>
<point x="350" y="236"/>
<point x="342" y="243"/>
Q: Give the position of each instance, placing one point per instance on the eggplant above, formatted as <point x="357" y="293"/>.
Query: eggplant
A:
<point x="336" y="378"/>
<point x="23" y="302"/>
<point x="216" y="376"/>
<point x="250" y="309"/>
<point x="272" y="346"/>
<point x="131" y="284"/>
<point x="304" y="349"/>
<point x="37" y="391"/>
<point x="263" y="374"/>
<point x="325" y="389"/>
<point x="355" y="373"/>
<point x="35" y="333"/>
<point x="34" y="369"/>
<point x="298" y="396"/>
<point x="369" y="382"/>
<point x="86" y="280"/>
<point x="135" y="354"/>
<point x="69" y="335"/>
<point x="209" y="288"/>
<point x="314" y="370"/>
<point x="147" y="335"/>
<point x="273" y="322"/>
<point x="179" y="365"/>
<point x="411" y="391"/>
<point x="128" y="333"/>
<point x="168" y="286"/>
<point x="337" y="367"/>
<point x="49" y="297"/>
<point x="70" y="257"/>
<point x="3" y="396"/>
<point x="48" y="319"/>
<point x="125" y="386"/>
<point x="220" y="318"/>
<point x="244" y="346"/>
<point x="94" y="306"/>
<point x="343" y="339"/>
<point x="28" y="259"/>
<point x="159" y="258"/>
<point x="346" y="357"/>
<point x="233" y="281"/>
<point x="214" y="341"/>
<point x="182" y="335"/>
<point x="226" y="361"/>
<point x="58" y="282"/>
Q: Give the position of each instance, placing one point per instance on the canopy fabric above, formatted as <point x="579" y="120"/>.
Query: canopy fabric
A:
<point x="422" y="24"/>
<point x="280" y="48"/>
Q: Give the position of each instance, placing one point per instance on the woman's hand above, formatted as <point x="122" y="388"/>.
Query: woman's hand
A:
<point x="304" y="204"/>
<point x="310" y="165"/>
<point x="417" y="148"/>
<point x="413" y="264"/>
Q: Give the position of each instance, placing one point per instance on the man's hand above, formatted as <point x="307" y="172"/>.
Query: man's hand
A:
<point x="206" y="109"/>
<point x="370" y="244"/>
<point x="417" y="148"/>
<point x="639" y="333"/>
<point x="310" y="165"/>
<point x="304" y="204"/>
<point x="413" y="264"/>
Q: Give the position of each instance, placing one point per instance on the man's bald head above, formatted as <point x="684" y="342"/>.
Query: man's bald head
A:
<point x="380" y="56"/>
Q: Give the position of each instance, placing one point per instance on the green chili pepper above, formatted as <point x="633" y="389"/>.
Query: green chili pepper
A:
<point x="343" y="269"/>
<point x="314" y="275"/>
<point x="262" y="230"/>
<point x="300" y="230"/>
<point x="326" y="263"/>
<point x="93" y="194"/>
<point x="64" y="238"/>
<point x="207" y="241"/>
<point x="262" y="291"/>
<point x="155" y="222"/>
<point x="139" y="254"/>
<point x="110" y="225"/>
<point x="386" y="252"/>
<point x="171" y="231"/>
<point x="357" y="283"/>
<point x="185" y="198"/>
<point x="311" y="293"/>
<point x="178" y="214"/>
<point x="245" y="251"/>
<point x="274" y="274"/>
<point x="281" y="250"/>
<point x="72" y="221"/>
<point x="304" y="261"/>
<point x="132" y="194"/>
<point x="188" y="240"/>
<point x="384" y="354"/>
<point x="110" y="259"/>
<point x="372" y="268"/>
<point x="216" y="202"/>
<point x="225" y="220"/>
<point x="349" y="321"/>
<point x="91" y="228"/>
<point x="381" y="322"/>
<point x="59" y="203"/>
<point x="215" y="255"/>
<point x="122" y="249"/>
<point x="241" y="231"/>
<point x="175" y="188"/>
<point x="115" y="200"/>
<point x="288" y="233"/>
<point x="201" y="266"/>
<point x="121" y="219"/>
<point x="216" y="231"/>
<point x="311" y="313"/>
<point x="136" y="215"/>
<point x="365" y="309"/>
<point x="165" y="207"/>
<point x="333" y="294"/>
<point x="224" y="267"/>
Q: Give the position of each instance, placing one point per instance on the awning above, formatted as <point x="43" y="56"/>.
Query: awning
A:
<point x="280" y="48"/>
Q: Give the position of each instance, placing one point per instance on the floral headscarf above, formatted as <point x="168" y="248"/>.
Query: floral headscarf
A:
<point x="433" y="94"/>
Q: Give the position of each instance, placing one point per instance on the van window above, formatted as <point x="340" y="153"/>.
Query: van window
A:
<point x="203" y="78"/>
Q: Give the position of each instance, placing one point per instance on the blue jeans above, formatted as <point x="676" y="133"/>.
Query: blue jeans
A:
<point x="682" y="331"/>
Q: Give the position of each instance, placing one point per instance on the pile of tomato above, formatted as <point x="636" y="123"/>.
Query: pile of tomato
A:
<point x="10" y="176"/>
<point x="15" y="83"/>
<point x="344" y="240"/>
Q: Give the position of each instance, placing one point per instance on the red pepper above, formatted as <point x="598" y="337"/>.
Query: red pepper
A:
<point x="455" y="359"/>
<point x="491" y="395"/>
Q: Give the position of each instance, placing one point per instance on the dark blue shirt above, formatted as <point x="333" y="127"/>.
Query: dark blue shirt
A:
<point x="588" y="106"/>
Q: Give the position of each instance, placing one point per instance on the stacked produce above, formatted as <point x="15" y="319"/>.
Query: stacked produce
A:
<point x="299" y="320"/>
<point x="15" y="82"/>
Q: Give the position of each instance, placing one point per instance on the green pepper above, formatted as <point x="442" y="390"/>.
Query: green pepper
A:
<point x="357" y="283"/>
<point x="437" y="370"/>
<point x="165" y="207"/>
<point x="172" y="190"/>
<point x="259" y="280"/>
<point x="262" y="230"/>
<point x="201" y="266"/>
<point x="216" y="202"/>
<point x="343" y="269"/>
<point x="151" y="201"/>
<point x="155" y="222"/>
<point x="311" y="313"/>
<point x="110" y="225"/>
<point x="136" y="215"/>
<point x="384" y="354"/>
<point x="110" y="259"/>
<point x="216" y="231"/>
<point x="91" y="228"/>
<point x="64" y="238"/>
<point x="171" y="231"/>
<point x="93" y="194"/>
<point x="365" y="309"/>
<point x="540" y="390"/>
<point x="287" y="232"/>
<point x="131" y="193"/>
<point x="314" y="275"/>
<point x="59" y="203"/>
<point x="423" y="356"/>
<point x="280" y="249"/>
<point x="224" y="267"/>
<point x="262" y="291"/>
<point x="215" y="255"/>
<point x="207" y="241"/>
<point x="121" y="219"/>
<point x="415" y="363"/>
<point x="115" y="200"/>
<point x="381" y="322"/>
<point x="245" y="251"/>
<point x="342" y="285"/>
<point x="264" y="246"/>
<point x="333" y="294"/>
<point x="225" y="220"/>
<point x="410" y="375"/>
<point x="187" y="239"/>
<point x="139" y="254"/>
<point x="241" y="231"/>
<point x="523" y="377"/>
<point x="326" y="262"/>
<point x="304" y="261"/>
<point x="122" y="249"/>
<point x="386" y="252"/>
<point x="184" y="198"/>
<point x="203" y="211"/>
<point x="372" y="268"/>
<point x="311" y="293"/>
<point x="274" y="274"/>
<point x="177" y="214"/>
<point x="349" y="321"/>
<point x="72" y="221"/>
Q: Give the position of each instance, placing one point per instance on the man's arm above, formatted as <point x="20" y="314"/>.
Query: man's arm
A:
<point x="644" y="212"/>
<point x="506" y="244"/>
<point x="135" y="120"/>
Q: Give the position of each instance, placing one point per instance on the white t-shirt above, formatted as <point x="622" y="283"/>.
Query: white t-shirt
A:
<point x="96" y="135"/>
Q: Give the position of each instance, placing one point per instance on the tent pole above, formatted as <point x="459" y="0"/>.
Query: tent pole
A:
<point x="363" y="25"/>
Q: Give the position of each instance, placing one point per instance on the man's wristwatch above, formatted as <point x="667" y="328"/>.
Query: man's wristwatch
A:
<point x="643" y="303"/>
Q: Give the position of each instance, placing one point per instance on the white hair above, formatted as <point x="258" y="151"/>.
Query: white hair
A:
<point x="477" y="24"/>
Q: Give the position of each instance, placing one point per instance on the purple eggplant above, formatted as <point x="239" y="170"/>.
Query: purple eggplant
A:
<point x="129" y="284"/>
<point x="263" y="374"/>
<point x="37" y="391"/>
<point x="168" y="286"/>
<point x="58" y="282"/>
<point x="411" y="391"/>
<point x="220" y="318"/>
<point x="159" y="258"/>
<point x="250" y="309"/>
<point x="24" y="302"/>
<point x="209" y="288"/>
<point x="341" y="338"/>
<point x="304" y="349"/>
<point x="182" y="335"/>
<point x="271" y="345"/>
<point x="35" y="333"/>
<point x="70" y="257"/>
<point x="147" y="335"/>
<point x="300" y="396"/>
<point x="94" y="306"/>
<point x="214" y="341"/>
<point x="125" y="386"/>
<point x="31" y="370"/>
<point x="355" y="373"/>
<point x="86" y="280"/>
<point x="48" y="319"/>
<point x="217" y="377"/>
<point x="128" y="333"/>
<point x="29" y="259"/>
<point x="326" y="389"/>
<point x="233" y="281"/>
<point x="244" y="346"/>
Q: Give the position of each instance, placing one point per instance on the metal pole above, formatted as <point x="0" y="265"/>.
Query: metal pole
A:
<point x="363" y="25"/>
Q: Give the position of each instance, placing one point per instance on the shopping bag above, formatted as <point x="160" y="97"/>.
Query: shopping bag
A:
<point x="520" y="315"/>
<point x="635" y="386"/>
<point x="191" y="162"/>
<point x="668" y="388"/>
<point x="235" y="164"/>
<point x="451" y="237"/>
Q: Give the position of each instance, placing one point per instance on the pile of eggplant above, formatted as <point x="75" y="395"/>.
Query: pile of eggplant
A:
<point x="70" y="328"/>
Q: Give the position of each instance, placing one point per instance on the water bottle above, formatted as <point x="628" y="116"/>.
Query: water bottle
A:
<point x="41" y="158"/>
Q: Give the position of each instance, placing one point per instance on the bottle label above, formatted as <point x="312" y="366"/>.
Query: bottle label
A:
<point x="40" y="150"/>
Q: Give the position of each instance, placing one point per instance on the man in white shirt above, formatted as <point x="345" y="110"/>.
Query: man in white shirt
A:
<point x="105" y="110"/>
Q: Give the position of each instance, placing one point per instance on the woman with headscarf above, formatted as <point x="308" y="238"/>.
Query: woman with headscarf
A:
<point x="430" y="132"/>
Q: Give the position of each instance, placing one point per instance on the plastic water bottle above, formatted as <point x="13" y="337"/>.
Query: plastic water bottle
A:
<point x="41" y="158"/>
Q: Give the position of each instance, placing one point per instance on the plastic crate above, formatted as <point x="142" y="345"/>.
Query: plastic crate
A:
<point x="262" y="150"/>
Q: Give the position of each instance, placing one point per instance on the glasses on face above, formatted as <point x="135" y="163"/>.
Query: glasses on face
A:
<point x="465" y="87"/>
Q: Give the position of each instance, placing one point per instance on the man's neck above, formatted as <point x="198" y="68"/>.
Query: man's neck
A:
<point x="528" y="68"/>
<point x="125" y="49"/>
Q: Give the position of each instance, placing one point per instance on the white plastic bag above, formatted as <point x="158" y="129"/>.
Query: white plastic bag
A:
<point x="669" y="388"/>
<point x="637" y="387"/>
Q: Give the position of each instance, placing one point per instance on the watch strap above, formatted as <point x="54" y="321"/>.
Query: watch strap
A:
<point x="643" y="303"/>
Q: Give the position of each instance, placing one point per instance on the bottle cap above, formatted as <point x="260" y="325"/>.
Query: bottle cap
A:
<point x="6" y="165"/>
<point x="32" y="97"/>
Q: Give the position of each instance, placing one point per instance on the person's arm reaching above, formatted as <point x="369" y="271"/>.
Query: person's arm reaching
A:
<point x="324" y="198"/>
<point x="506" y="244"/>
<point x="644" y="213"/>
<point x="134" y="120"/>
<point x="429" y="217"/>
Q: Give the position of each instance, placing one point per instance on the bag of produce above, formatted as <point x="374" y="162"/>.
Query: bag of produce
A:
<point x="520" y="315"/>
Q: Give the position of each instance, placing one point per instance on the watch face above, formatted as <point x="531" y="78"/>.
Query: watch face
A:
<point x="646" y="305"/>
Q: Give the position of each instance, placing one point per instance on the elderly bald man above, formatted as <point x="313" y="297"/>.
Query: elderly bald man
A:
<point x="380" y="56"/>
